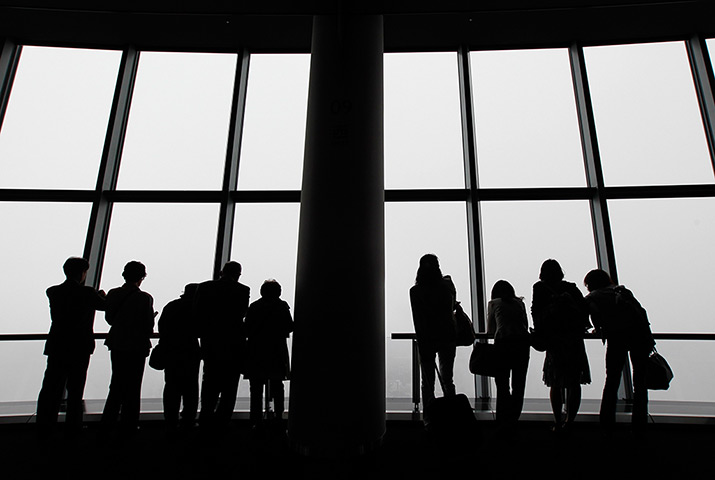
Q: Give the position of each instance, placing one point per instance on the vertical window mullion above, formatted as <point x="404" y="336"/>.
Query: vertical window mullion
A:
<point x="702" y="71"/>
<point x="9" y="58"/>
<point x="233" y="149"/>
<point x="98" y="229"/>
<point x="474" y="227"/>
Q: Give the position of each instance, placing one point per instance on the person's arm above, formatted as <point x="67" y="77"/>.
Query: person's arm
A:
<point x="491" y="318"/>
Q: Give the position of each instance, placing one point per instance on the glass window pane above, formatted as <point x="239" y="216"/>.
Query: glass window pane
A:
<point x="423" y="129"/>
<point x="178" y="124"/>
<point x="518" y="237"/>
<point x="648" y="122"/>
<point x="526" y="122"/>
<point x="274" y="123"/>
<point x="265" y="243"/>
<point x="56" y="121"/>
<point x="37" y="239"/>
<point x="664" y="254"/>
<point x="176" y="242"/>
<point x="412" y="230"/>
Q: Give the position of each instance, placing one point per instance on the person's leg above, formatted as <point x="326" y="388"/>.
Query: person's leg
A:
<point x="278" y="394"/>
<point x="50" y="397"/>
<point x="256" y="389"/>
<point x="113" y="404"/>
<point x="504" y="398"/>
<point x="76" y="380"/>
<point x="573" y="402"/>
<point x="427" y="367"/>
<point x="639" y="361"/>
<point x="446" y="355"/>
<point x="131" y="403"/>
<point x="172" y="395"/>
<point x="615" y="360"/>
<point x="209" y="392"/>
<point x="518" y="380"/>
<point x="557" y="404"/>
<point x="190" y="391"/>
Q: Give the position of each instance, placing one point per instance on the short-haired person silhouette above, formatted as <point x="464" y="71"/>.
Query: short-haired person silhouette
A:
<point x="268" y="325"/>
<point x="432" y="299"/>
<point x="560" y="313"/>
<point x="220" y="307"/>
<point x="130" y="314"/>
<point x="69" y="345"/>
<point x="623" y="325"/>
<point x="179" y="337"/>
<point x="506" y="319"/>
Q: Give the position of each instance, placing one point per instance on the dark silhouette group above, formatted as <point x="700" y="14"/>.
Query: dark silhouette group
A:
<point x="211" y="322"/>
<point x="560" y="315"/>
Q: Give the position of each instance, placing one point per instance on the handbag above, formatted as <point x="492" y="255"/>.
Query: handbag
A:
<point x="537" y="340"/>
<point x="464" y="328"/>
<point x="658" y="372"/>
<point x="157" y="359"/>
<point x="485" y="360"/>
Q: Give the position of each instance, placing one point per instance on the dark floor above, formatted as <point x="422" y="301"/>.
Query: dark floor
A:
<point x="667" y="451"/>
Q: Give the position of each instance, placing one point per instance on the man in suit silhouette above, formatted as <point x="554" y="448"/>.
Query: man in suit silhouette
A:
<point x="220" y="307"/>
<point x="69" y="345"/>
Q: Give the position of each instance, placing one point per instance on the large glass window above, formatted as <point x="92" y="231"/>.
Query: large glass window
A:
<point x="37" y="239"/>
<point x="412" y="230"/>
<point x="526" y="122"/>
<point x="56" y="120"/>
<point x="179" y="120"/>
<point x="274" y="123"/>
<point x="423" y="139"/>
<point x="518" y="237"/>
<point x="664" y="254"/>
<point x="176" y="242"/>
<point x="648" y="122"/>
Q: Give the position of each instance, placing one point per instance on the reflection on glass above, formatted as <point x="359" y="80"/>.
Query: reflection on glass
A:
<point x="664" y="254"/>
<point x="519" y="236"/>
<point x="526" y="123"/>
<point x="423" y="131"/>
<point x="37" y="239"/>
<point x="411" y="230"/>
<point x="274" y="123"/>
<point x="56" y="121"/>
<point x="648" y="122"/>
<point x="176" y="242"/>
<point x="178" y="123"/>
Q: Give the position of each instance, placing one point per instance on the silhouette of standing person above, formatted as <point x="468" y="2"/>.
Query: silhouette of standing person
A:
<point x="559" y="312"/>
<point x="268" y="325"/>
<point x="179" y="337"/>
<point x="623" y="324"/>
<point x="220" y="307"/>
<point x="506" y="319"/>
<point x="432" y="299"/>
<point x="130" y="313"/>
<point x="69" y="345"/>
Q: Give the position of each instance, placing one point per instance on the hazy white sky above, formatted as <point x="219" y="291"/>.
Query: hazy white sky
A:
<point x="647" y="122"/>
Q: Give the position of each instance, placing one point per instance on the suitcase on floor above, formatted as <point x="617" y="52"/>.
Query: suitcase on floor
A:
<point x="451" y="415"/>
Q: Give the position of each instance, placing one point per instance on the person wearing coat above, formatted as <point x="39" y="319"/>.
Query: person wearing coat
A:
<point x="130" y="314"/>
<point x="268" y="324"/>
<point x="623" y="325"/>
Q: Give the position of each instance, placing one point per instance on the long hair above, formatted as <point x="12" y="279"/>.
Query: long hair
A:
<point x="428" y="271"/>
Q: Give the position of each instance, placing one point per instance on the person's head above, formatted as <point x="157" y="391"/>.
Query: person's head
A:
<point x="134" y="272"/>
<point x="596" y="279"/>
<point x="271" y="289"/>
<point x="231" y="270"/>
<point x="428" y="270"/>
<point x="551" y="271"/>
<point x="75" y="268"/>
<point x="503" y="289"/>
<point x="190" y="290"/>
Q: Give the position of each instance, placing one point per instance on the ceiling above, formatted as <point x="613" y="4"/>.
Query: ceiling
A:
<point x="285" y="25"/>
